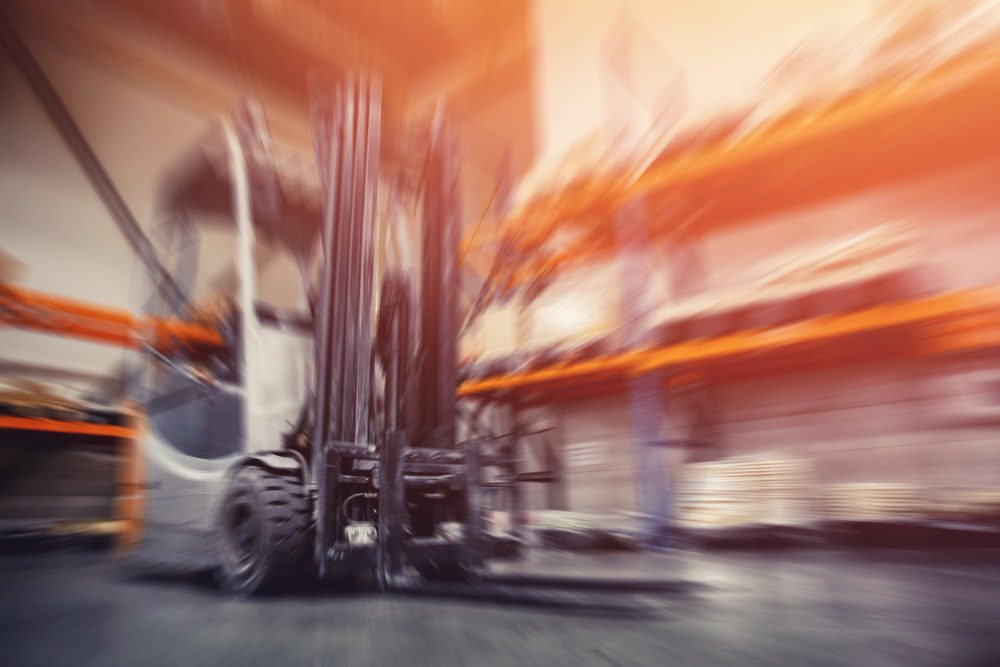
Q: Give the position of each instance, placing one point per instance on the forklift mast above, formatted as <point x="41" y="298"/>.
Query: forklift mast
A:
<point x="409" y="459"/>
<point x="436" y="374"/>
<point x="342" y="340"/>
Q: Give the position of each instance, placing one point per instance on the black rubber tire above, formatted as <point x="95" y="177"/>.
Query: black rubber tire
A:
<point x="263" y="533"/>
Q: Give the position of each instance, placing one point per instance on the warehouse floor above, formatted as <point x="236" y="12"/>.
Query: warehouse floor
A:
<point x="786" y="608"/>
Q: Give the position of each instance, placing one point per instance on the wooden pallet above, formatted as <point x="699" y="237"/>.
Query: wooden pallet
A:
<point x="745" y="491"/>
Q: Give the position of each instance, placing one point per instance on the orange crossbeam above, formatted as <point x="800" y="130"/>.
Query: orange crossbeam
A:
<point x="69" y="427"/>
<point x="48" y="313"/>
<point x="948" y="323"/>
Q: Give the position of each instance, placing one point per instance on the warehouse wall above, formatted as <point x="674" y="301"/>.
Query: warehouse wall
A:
<point x="52" y="220"/>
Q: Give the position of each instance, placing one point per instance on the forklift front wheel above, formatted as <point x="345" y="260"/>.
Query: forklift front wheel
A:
<point x="262" y="532"/>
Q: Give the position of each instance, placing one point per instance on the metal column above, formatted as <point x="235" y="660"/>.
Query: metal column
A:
<point x="645" y="396"/>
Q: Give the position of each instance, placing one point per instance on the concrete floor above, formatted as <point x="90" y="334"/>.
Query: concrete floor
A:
<point x="803" y="608"/>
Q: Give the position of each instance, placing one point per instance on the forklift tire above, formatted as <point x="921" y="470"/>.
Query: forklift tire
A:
<point x="263" y="532"/>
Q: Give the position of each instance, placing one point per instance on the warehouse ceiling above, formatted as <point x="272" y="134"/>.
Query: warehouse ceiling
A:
<point x="468" y="54"/>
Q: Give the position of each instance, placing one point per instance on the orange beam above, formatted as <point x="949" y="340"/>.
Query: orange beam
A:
<point x="820" y="329"/>
<point x="893" y="130"/>
<point x="58" y="315"/>
<point x="954" y="322"/>
<point x="130" y="503"/>
<point x="69" y="427"/>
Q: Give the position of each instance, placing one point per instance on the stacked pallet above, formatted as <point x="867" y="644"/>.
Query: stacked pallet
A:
<point x="23" y="398"/>
<point x="965" y="504"/>
<point x="47" y="480"/>
<point x="874" y="501"/>
<point x="49" y="477"/>
<point x="745" y="491"/>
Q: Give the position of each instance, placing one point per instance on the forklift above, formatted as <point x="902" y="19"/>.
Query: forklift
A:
<point x="312" y="429"/>
<point x="321" y="438"/>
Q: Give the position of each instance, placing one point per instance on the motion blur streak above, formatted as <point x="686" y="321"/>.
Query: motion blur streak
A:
<point x="512" y="332"/>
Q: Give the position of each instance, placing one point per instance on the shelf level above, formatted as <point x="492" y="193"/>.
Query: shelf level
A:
<point x="947" y="323"/>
